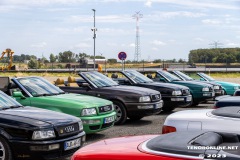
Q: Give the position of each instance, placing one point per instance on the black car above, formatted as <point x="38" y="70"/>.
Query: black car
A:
<point x="33" y="133"/>
<point x="227" y="101"/>
<point x="173" y="95"/>
<point x="129" y="101"/>
<point x="217" y="87"/>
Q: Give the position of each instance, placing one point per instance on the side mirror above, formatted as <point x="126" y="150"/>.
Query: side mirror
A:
<point x="18" y="94"/>
<point x="162" y="80"/>
<point x="201" y="79"/>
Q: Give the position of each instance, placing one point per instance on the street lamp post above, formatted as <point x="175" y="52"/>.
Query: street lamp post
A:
<point x="94" y="37"/>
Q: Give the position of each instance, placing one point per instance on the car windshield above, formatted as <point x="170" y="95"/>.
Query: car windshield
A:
<point x="7" y="101"/>
<point x="184" y="76"/>
<point x="99" y="79"/>
<point x="170" y="76"/>
<point x="207" y="77"/>
<point x="137" y="77"/>
<point x="38" y="86"/>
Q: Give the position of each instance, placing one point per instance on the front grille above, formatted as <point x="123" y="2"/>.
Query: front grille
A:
<point x="67" y="129"/>
<point x="156" y="97"/>
<point x="185" y="92"/>
<point x="106" y="108"/>
<point x="94" y="127"/>
<point x="107" y="125"/>
<point x="210" y="89"/>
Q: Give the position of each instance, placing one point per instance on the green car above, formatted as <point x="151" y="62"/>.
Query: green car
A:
<point x="228" y="87"/>
<point x="200" y="91"/>
<point x="96" y="114"/>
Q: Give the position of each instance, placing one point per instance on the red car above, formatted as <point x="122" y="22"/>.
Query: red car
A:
<point x="172" y="146"/>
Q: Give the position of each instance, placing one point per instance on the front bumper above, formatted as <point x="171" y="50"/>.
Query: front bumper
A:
<point x="144" y="109"/>
<point x="24" y="149"/>
<point x="93" y="124"/>
<point x="203" y="96"/>
<point x="177" y="101"/>
<point x="219" y="92"/>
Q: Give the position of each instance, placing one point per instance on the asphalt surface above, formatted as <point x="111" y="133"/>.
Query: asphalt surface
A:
<point x="147" y="125"/>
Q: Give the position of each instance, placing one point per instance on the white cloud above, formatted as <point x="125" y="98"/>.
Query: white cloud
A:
<point x="232" y="44"/>
<point x="158" y="43"/>
<point x="211" y="21"/>
<point x="39" y="45"/>
<point x="148" y="3"/>
<point x="132" y="45"/>
<point x="199" y="39"/>
<point x="155" y="49"/>
<point x="200" y="4"/>
<point x="101" y="19"/>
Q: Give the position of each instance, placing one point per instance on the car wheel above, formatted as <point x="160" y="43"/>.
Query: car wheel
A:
<point x="5" y="151"/>
<point x="168" y="108"/>
<point x="121" y="114"/>
<point x="135" y="118"/>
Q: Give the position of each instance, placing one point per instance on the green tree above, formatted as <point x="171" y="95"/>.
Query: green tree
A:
<point x="52" y="58"/>
<point x="112" y="60"/>
<point x="66" y="57"/>
<point x="33" y="64"/>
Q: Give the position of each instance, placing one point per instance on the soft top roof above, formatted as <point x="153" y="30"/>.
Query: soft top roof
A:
<point x="181" y="144"/>
<point x="232" y="112"/>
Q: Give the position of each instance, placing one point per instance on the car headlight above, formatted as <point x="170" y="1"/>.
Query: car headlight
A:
<point x="176" y="93"/>
<point x="236" y="87"/>
<point x="80" y="125"/>
<point x="144" y="99"/>
<point x="216" y="87"/>
<point x="89" y="111"/>
<point x="44" y="134"/>
<point x="205" y="89"/>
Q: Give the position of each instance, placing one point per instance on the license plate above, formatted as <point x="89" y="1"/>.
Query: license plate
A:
<point x="158" y="105"/>
<point x="72" y="144"/>
<point x="109" y="119"/>
<point x="189" y="98"/>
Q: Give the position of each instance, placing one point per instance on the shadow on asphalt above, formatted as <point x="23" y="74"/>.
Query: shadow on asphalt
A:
<point x="137" y="123"/>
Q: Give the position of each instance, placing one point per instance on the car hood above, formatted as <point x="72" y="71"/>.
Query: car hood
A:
<point x="38" y="117"/>
<point x="227" y="83"/>
<point x="132" y="89"/>
<point x="188" y="115"/>
<point x="73" y="99"/>
<point x="208" y="82"/>
<point x="123" y="146"/>
<point x="165" y="85"/>
<point x="192" y="83"/>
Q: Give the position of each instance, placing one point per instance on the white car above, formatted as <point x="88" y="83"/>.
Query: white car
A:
<point x="226" y="119"/>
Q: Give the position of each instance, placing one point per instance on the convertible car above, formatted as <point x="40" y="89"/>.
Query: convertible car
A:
<point x="229" y="88"/>
<point x="36" y="134"/>
<point x="129" y="101"/>
<point x="200" y="91"/>
<point x="173" y="95"/>
<point x="204" y="119"/>
<point x="173" y="146"/>
<point x="217" y="87"/>
<point x="96" y="114"/>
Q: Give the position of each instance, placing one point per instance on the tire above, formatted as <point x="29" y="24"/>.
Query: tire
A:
<point x="168" y="108"/>
<point x="5" y="150"/>
<point x="135" y="118"/>
<point x="121" y="113"/>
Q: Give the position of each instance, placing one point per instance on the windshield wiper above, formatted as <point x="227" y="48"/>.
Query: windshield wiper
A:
<point x="45" y="94"/>
<point x="10" y="107"/>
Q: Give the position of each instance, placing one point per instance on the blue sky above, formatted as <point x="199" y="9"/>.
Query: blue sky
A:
<point x="169" y="28"/>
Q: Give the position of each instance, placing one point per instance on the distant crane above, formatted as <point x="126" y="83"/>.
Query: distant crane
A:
<point x="137" y="55"/>
<point x="9" y="53"/>
<point x="216" y="44"/>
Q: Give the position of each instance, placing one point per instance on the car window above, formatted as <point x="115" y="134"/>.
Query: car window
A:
<point x="137" y="77"/>
<point x="38" y="86"/>
<point x="99" y="79"/>
<point x="7" y="101"/>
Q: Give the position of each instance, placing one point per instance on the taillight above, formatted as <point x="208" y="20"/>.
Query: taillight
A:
<point x="168" y="129"/>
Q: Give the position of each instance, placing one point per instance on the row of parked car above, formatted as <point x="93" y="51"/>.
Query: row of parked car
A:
<point x="188" y="134"/>
<point x="95" y="103"/>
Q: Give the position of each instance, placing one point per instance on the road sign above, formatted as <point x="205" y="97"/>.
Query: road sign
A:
<point x="122" y="55"/>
